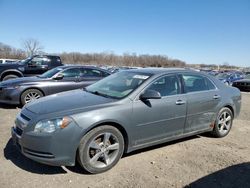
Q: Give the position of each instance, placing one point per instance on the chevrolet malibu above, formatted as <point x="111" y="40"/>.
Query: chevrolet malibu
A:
<point x="124" y="112"/>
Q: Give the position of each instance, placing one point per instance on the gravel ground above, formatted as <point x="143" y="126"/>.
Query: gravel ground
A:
<point x="198" y="161"/>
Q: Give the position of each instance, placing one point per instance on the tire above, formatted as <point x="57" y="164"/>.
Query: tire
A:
<point x="9" y="77"/>
<point x="30" y="95"/>
<point x="223" y="124"/>
<point x="93" y="153"/>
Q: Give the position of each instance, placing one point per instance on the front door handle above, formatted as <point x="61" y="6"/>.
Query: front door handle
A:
<point x="180" y="102"/>
<point x="216" y="97"/>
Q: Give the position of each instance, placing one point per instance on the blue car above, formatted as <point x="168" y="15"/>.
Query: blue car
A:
<point x="229" y="78"/>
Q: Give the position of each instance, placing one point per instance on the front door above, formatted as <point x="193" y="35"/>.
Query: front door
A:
<point x="157" y="119"/>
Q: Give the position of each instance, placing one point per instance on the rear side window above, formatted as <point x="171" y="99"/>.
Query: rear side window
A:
<point x="194" y="83"/>
<point x="210" y="85"/>
<point x="55" y="60"/>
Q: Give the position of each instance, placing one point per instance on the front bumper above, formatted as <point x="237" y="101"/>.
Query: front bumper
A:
<point x="10" y="96"/>
<point x="56" y="149"/>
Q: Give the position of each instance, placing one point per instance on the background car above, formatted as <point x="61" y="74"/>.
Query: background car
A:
<point x="124" y="112"/>
<point x="34" y="65"/>
<point x="7" y="61"/>
<point x="229" y="78"/>
<point x="64" y="78"/>
<point x="244" y="84"/>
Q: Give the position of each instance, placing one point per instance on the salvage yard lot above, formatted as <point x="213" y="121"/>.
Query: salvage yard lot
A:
<point x="198" y="161"/>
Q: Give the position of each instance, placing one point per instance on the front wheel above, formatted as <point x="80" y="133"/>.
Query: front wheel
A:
<point x="223" y="123"/>
<point x="100" y="149"/>
<point x="30" y="95"/>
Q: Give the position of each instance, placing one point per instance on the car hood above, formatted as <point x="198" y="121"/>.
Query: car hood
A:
<point x="67" y="102"/>
<point x="243" y="80"/>
<point x="20" y="81"/>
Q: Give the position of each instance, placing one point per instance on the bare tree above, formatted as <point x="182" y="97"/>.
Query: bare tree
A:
<point x="32" y="46"/>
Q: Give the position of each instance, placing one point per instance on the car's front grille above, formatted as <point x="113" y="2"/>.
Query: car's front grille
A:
<point x="18" y="131"/>
<point x="24" y="117"/>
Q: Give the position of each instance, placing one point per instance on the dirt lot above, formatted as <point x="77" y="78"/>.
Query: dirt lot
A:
<point x="199" y="161"/>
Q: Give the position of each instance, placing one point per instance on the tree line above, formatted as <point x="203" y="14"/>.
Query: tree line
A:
<point x="33" y="47"/>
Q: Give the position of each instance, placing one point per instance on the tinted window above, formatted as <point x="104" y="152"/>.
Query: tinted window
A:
<point x="167" y="85"/>
<point x="51" y="73"/>
<point x="195" y="83"/>
<point x="210" y="85"/>
<point x="55" y="60"/>
<point x="39" y="61"/>
<point x="91" y="73"/>
<point x="71" y="73"/>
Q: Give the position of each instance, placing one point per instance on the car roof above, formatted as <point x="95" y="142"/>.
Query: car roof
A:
<point x="81" y="66"/>
<point x="159" y="70"/>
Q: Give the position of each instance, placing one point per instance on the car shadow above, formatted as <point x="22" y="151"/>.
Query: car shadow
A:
<point x="11" y="153"/>
<point x="9" y="106"/>
<point x="235" y="176"/>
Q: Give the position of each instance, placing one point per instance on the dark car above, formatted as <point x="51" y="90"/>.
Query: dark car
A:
<point x="124" y="112"/>
<point x="64" y="78"/>
<point x="229" y="78"/>
<point x="31" y="66"/>
<point x="244" y="84"/>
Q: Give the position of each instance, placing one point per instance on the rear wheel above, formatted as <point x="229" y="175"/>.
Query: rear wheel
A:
<point x="30" y="95"/>
<point x="9" y="77"/>
<point x="223" y="123"/>
<point x="100" y="149"/>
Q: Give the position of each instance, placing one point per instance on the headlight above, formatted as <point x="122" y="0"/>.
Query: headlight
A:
<point x="49" y="126"/>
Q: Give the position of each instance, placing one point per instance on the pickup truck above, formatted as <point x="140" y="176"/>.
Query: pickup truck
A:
<point x="31" y="66"/>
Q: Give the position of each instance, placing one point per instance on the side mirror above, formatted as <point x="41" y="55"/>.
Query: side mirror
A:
<point x="58" y="77"/>
<point x="150" y="94"/>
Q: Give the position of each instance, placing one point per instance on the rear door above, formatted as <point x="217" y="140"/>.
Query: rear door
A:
<point x="202" y="101"/>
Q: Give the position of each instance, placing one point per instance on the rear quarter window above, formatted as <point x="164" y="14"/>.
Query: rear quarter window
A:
<point x="194" y="83"/>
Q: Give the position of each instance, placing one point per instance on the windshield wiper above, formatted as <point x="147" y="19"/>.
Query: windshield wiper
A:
<point x="98" y="93"/>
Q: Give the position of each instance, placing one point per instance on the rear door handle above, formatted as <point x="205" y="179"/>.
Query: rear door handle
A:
<point x="180" y="102"/>
<point x="216" y="96"/>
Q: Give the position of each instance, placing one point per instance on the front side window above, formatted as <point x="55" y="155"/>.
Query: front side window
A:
<point x="118" y="85"/>
<point x="166" y="86"/>
<point x="195" y="83"/>
<point x="71" y="73"/>
<point x="51" y="73"/>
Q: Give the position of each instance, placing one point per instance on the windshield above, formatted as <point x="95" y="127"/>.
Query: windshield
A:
<point x="247" y="76"/>
<point x="118" y="85"/>
<point x="50" y="73"/>
<point x="224" y="76"/>
<point x="25" y="61"/>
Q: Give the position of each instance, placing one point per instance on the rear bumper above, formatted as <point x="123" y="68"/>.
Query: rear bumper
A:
<point x="242" y="88"/>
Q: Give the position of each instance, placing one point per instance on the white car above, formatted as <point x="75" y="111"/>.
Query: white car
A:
<point x="6" y="61"/>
